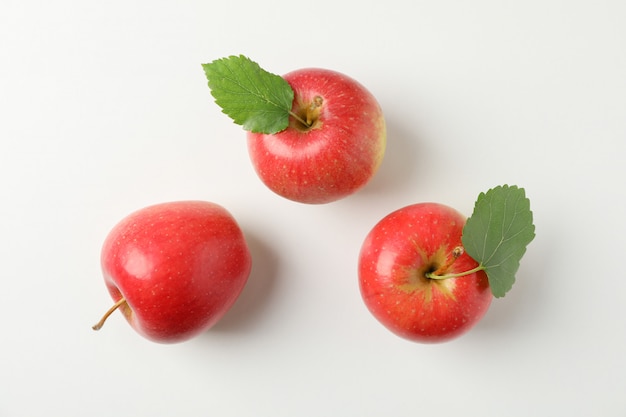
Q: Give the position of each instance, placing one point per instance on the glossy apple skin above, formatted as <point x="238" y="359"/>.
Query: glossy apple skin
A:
<point x="335" y="158"/>
<point x="394" y="257"/>
<point x="179" y="265"/>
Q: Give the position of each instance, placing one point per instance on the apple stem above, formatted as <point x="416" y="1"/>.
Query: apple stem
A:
<point x="312" y="112"/>
<point x="117" y="305"/>
<point x="456" y="252"/>
<point x="440" y="273"/>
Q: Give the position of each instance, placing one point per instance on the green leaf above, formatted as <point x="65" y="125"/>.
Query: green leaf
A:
<point x="497" y="233"/>
<point x="254" y="98"/>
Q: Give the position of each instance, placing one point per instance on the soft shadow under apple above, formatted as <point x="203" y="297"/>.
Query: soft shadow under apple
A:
<point x="526" y="302"/>
<point x="256" y="295"/>
<point x="402" y="158"/>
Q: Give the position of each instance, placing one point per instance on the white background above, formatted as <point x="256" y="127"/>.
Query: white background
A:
<point x="104" y="109"/>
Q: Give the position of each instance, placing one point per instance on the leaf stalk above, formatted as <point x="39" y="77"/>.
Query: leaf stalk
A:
<point x="432" y="275"/>
<point x="299" y="119"/>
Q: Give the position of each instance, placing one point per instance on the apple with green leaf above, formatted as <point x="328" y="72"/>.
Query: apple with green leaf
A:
<point x="428" y="274"/>
<point x="174" y="269"/>
<point x="314" y="135"/>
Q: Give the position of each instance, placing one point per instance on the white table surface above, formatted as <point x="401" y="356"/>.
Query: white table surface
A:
<point x="104" y="109"/>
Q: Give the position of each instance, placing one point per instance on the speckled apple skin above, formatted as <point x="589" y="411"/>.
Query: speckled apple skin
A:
<point x="394" y="257"/>
<point x="337" y="157"/>
<point x="179" y="265"/>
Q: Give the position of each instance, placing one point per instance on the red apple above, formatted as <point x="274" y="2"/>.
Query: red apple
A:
<point x="394" y="260"/>
<point x="333" y="150"/>
<point x="174" y="269"/>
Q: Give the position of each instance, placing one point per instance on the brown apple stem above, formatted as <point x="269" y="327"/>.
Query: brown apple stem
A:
<point x="440" y="273"/>
<point x="456" y="252"/>
<point x="117" y="305"/>
<point x="313" y="111"/>
<point x="311" y="114"/>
